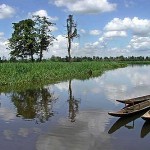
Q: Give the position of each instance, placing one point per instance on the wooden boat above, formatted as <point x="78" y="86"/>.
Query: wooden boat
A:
<point x="146" y="116"/>
<point x="131" y="109"/>
<point x="135" y="100"/>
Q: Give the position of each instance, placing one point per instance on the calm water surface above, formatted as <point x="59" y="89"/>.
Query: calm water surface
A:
<point x="73" y="115"/>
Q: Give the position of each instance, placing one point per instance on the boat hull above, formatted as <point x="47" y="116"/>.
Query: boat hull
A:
<point x="135" y="100"/>
<point x="131" y="110"/>
<point x="146" y="116"/>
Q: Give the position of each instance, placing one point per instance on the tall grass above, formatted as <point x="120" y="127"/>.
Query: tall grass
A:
<point x="46" y="72"/>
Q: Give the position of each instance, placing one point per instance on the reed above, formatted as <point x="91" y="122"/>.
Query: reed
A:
<point x="48" y="72"/>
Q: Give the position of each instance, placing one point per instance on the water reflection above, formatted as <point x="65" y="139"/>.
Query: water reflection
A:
<point x="87" y="133"/>
<point x="145" y="129"/>
<point x="34" y="104"/>
<point x="73" y="104"/>
<point x="125" y="121"/>
<point x="76" y="125"/>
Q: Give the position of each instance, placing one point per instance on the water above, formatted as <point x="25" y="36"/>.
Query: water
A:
<point x="74" y="114"/>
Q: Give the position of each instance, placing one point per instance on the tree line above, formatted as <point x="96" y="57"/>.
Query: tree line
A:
<point x="97" y="58"/>
<point x="85" y="58"/>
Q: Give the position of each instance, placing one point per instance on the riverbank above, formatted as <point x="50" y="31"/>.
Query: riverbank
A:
<point x="42" y="73"/>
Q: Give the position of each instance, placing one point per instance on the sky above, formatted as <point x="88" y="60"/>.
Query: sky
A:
<point x="106" y="27"/>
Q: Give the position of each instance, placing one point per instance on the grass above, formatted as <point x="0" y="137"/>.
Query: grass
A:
<point x="144" y="62"/>
<point x="36" y="74"/>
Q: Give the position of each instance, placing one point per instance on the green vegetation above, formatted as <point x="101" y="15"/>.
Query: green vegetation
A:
<point x="40" y="73"/>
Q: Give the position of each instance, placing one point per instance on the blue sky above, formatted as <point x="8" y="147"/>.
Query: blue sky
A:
<point x="106" y="27"/>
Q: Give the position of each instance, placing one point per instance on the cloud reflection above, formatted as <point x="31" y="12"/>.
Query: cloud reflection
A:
<point x="8" y="134"/>
<point x="121" y="83"/>
<point x="7" y="114"/>
<point x="88" y="132"/>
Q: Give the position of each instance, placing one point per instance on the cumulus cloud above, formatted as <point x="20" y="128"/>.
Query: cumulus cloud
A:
<point x="59" y="47"/>
<point x="1" y="34"/>
<point x="140" y="35"/>
<point x="95" y="32"/>
<point x="86" y="6"/>
<point x="100" y="47"/>
<point x="129" y="3"/>
<point x="53" y="28"/>
<point x="6" y="11"/>
<point x="3" y="45"/>
<point x="97" y="48"/>
<point x="117" y="28"/>
<point x="43" y="13"/>
<point x="139" y="43"/>
<point x="110" y="34"/>
<point x="82" y="31"/>
<point x="138" y="26"/>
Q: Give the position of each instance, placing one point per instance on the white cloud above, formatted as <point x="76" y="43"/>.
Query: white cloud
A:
<point x="43" y="13"/>
<point x="100" y="47"/>
<point x="6" y="11"/>
<point x="1" y="34"/>
<point x="95" y="32"/>
<point x="53" y="28"/>
<point x="139" y="29"/>
<point x="3" y="44"/>
<point x="82" y="31"/>
<point x="137" y="26"/>
<point x="139" y="44"/>
<point x="129" y="3"/>
<point x="86" y="6"/>
<point x="110" y="34"/>
<point x="97" y="48"/>
<point x="59" y="47"/>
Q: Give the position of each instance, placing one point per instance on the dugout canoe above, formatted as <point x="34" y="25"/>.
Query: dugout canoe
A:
<point x="134" y="100"/>
<point x="146" y="116"/>
<point x="131" y="109"/>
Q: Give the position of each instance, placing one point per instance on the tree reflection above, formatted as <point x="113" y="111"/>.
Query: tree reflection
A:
<point x="34" y="104"/>
<point x="73" y="104"/>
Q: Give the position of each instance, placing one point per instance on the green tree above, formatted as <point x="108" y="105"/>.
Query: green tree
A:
<point x="44" y="36"/>
<point x="22" y="43"/>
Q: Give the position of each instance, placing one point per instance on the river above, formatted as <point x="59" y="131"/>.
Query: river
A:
<point x="73" y="115"/>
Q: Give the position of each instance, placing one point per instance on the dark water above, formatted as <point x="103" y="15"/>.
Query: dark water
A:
<point x="73" y="115"/>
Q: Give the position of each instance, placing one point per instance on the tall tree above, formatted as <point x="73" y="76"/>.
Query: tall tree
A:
<point x="44" y="36"/>
<point x="22" y="42"/>
<point x="71" y="33"/>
